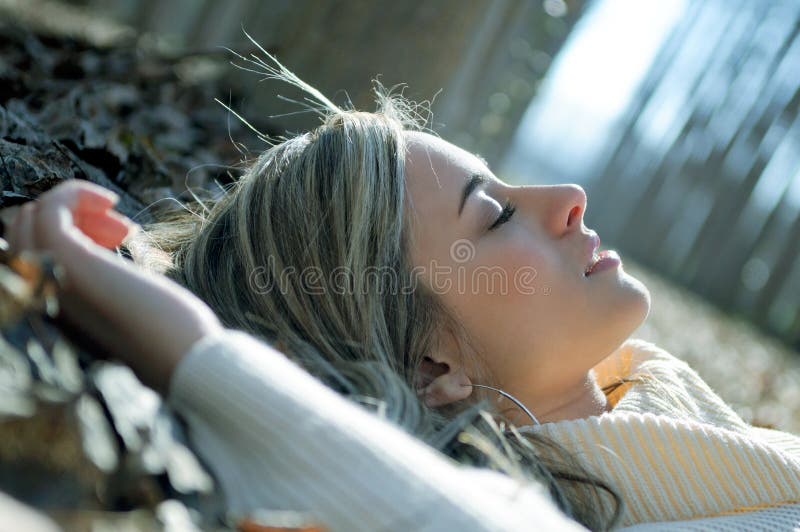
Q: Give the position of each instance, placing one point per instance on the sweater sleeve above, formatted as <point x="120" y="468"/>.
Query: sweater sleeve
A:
<point x="277" y="438"/>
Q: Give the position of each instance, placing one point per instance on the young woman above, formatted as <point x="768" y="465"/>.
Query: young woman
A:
<point x="398" y="270"/>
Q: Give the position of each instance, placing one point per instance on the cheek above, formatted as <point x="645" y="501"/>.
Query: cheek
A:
<point x="523" y="258"/>
<point x="505" y="288"/>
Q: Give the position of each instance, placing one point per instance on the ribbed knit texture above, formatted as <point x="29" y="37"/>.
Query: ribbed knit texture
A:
<point x="675" y="451"/>
<point x="276" y="438"/>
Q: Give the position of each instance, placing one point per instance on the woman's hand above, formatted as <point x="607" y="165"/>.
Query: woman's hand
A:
<point x="146" y="320"/>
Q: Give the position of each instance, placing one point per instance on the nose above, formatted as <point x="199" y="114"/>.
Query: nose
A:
<point x="575" y="204"/>
<point x="562" y="206"/>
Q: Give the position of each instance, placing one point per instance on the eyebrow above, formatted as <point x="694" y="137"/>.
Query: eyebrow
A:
<point x="474" y="181"/>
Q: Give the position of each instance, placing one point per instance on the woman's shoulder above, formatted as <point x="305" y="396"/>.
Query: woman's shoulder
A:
<point x="635" y="356"/>
<point x="662" y="383"/>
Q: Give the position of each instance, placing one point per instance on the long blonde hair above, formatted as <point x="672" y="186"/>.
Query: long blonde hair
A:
<point x="309" y="251"/>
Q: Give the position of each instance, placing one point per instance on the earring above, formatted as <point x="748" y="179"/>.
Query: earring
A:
<point x="511" y="398"/>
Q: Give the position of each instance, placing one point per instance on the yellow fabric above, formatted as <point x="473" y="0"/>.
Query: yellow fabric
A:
<point x="674" y="450"/>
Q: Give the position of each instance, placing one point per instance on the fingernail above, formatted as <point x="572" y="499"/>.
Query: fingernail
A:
<point x="110" y="194"/>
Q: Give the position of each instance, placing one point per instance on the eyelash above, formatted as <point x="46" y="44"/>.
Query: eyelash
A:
<point x="508" y="212"/>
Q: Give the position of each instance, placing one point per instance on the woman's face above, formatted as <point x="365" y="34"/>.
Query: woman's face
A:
<point x="516" y="283"/>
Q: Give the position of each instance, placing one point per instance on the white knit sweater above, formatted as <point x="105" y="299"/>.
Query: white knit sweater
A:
<point x="675" y="451"/>
<point x="276" y="438"/>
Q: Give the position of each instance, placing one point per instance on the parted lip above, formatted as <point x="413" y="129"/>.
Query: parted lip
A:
<point x="592" y="244"/>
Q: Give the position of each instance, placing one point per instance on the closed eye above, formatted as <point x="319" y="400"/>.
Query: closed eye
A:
<point x="505" y="215"/>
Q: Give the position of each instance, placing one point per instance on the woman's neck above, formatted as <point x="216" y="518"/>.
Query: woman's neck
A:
<point x="585" y="398"/>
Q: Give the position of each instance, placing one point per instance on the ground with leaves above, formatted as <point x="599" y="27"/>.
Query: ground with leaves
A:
<point x="81" y="438"/>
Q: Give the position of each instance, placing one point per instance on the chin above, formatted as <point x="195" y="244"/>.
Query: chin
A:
<point x="637" y="298"/>
<point x="632" y="314"/>
<point x="627" y="309"/>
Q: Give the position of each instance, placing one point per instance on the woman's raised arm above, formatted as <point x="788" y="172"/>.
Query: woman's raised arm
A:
<point x="276" y="437"/>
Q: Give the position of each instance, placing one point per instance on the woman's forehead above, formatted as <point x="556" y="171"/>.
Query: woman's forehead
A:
<point x="436" y="173"/>
<point x="434" y="165"/>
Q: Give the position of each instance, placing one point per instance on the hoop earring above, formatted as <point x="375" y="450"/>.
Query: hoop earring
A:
<point x="512" y="399"/>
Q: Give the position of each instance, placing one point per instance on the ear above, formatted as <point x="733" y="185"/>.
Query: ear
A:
<point x="442" y="382"/>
